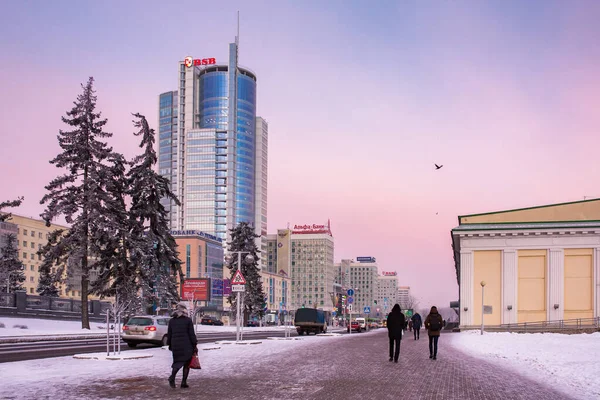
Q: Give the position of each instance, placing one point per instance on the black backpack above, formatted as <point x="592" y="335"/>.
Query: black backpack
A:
<point x="434" y="323"/>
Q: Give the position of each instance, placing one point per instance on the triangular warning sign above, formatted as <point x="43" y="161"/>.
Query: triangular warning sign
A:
<point x="238" y="278"/>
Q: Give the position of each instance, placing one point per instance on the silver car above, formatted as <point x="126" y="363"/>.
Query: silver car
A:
<point x="146" y="329"/>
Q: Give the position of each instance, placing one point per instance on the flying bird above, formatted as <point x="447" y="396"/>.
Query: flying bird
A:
<point x="438" y="166"/>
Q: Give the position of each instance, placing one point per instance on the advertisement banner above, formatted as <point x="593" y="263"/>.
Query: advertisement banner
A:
<point x="226" y="287"/>
<point x="196" y="289"/>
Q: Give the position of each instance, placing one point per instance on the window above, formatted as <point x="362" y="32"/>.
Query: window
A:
<point x="40" y="235"/>
<point x="31" y="267"/>
<point x="24" y="243"/>
<point x="24" y="231"/>
<point x="32" y="256"/>
<point x="32" y="234"/>
<point x="32" y="245"/>
<point x="24" y="255"/>
<point x="31" y="290"/>
<point x="31" y="279"/>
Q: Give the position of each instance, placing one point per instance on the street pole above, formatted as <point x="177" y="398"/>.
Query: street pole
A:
<point x="482" y="289"/>
<point x="107" y="333"/>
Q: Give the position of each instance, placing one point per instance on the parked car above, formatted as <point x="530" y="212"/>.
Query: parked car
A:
<point x="310" y="320"/>
<point x="252" y="323"/>
<point x="355" y="326"/>
<point x="210" y="321"/>
<point x="145" y="329"/>
<point x="373" y="325"/>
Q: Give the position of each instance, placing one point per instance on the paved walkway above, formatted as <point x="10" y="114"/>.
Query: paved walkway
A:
<point x="348" y="368"/>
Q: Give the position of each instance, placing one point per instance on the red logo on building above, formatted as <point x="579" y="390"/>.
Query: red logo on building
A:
<point x="198" y="62"/>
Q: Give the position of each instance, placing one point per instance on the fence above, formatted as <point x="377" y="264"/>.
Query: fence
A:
<point x="20" y="304"/>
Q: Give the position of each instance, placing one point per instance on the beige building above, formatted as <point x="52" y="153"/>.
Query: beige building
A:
<point x="361" y="276"/>
<point x="387" y="291"/>
<point x="277" y="290"/>
<point x="538" y="264"/>
<point x="305" y="254"/>
<point x="32" y="235"/>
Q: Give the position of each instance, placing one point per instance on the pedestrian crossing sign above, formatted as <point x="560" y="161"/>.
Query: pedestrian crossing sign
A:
<point x="238" y="278"/>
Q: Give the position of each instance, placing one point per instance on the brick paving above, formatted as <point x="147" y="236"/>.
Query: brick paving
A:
<point x="355" y="367"/>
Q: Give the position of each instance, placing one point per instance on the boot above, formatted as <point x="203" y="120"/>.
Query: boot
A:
<point x="172" y="377"/>
<point x="186" y="372"/>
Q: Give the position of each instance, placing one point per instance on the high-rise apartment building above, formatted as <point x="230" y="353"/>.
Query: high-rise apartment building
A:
<point x="305" y="253"/>
<point x="361" y="276"/>
<point x="387" y="291"/>
<point x="403" y="297"/>
<point x="213" y="148"/>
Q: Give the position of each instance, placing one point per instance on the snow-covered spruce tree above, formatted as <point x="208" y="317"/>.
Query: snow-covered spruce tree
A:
<point x="6" y="204"/>
<point x="11" y="267"/>
<point x="153" y="251"/>
<point x="242" y="239"/>
<point x="79" y="194"/>
<point x="54" y="257"/>
<point x="117" y="276"/>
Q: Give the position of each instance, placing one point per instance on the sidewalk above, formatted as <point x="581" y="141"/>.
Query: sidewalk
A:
<point x="349" y="367"/>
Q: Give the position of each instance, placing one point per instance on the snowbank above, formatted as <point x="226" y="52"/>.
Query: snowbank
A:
<point x="569" y="363"/>
<point x="36" y="327"/>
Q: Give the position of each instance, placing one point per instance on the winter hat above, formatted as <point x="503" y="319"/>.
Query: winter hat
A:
<point x="181" y="310"/>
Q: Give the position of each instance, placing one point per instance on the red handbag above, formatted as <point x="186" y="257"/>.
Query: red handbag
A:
<point x="195" y="362"/>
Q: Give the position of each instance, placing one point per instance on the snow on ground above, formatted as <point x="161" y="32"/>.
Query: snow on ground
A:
<point x="37" y="327"/>
<point x="47" y="327"/>
<point x="569" y="363"/>
<point x="46" y="378"/>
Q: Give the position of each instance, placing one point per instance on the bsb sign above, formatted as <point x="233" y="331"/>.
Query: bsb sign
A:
<point x="189" y="61"/>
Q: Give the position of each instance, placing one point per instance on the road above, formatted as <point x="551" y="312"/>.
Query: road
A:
<point x="58" y="348"/>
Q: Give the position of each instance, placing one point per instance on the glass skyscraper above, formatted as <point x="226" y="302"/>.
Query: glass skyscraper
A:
<point x="211" y="150"/>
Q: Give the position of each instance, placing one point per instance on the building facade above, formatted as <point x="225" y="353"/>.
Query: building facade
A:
<point x="305" y="253"/>
<point x="32" y="234"/>
<point x="404" y="297"/>
<point x="213" y="148"/>
<point x="277" y="291"/>
<point x="202" y="257"/>
<point x="529" y="265"/>
<point x="387" y="291"/>
<point x="361" y="276"/>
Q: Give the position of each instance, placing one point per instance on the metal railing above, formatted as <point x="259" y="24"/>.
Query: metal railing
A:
<point x="577" y="324"/>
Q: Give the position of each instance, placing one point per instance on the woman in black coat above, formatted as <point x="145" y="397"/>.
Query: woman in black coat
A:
<point x="182" y="341"/>
<point x="395" y="324"/>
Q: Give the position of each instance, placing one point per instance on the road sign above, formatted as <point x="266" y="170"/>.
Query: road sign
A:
<point x="333" y="313"/>
<point x="238" y="278"/>
<point x="367" y="310"/>
<point x="349" y="307"/>
<point x="238" y="288"/>
<point x="350" y="292"/>
<point x="350" y="300"/>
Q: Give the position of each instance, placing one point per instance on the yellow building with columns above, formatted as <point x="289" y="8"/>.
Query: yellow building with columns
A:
<point x="538" y="264"/>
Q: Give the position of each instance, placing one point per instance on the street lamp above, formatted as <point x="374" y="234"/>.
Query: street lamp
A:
<point x="482" y="289"/>
<point x="249" y="259"/>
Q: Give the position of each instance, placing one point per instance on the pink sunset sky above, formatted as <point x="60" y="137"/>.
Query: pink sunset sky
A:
<point x="361" y="101"/>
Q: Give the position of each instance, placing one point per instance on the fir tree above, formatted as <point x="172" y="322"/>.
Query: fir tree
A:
<point x="242" y="239"/>
<point x="4" y="204"/>
<point x="153" y="251"/>
<point x="80" y="193"/>
<point x="54" y="256"/>
<point x="11" y="267"/>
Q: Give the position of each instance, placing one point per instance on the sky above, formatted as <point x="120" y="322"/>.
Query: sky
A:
<point x="361" y="99"/>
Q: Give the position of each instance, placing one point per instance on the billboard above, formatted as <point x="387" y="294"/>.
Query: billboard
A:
<point x="365" y="259"/>
<point x="226" y="287"/>
<point x="196" y="289"/>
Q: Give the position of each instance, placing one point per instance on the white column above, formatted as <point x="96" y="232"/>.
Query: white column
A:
<point x="556" y="283"/>
<point x="466" y="288"/>
<point x="597" y="282"/>
<point x="509" y="286"/>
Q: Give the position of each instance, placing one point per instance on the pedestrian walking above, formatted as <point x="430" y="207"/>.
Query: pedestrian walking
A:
<point x="433" y="324"/>
<point x="416" y="324"/>
<point x="395" y="325"/>
<point x="182" y="342"/>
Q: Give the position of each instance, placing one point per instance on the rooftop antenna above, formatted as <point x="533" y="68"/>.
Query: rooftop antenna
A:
<point x="237" y="38"/>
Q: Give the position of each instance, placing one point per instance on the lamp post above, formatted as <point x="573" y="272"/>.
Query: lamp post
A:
<point x="482" y="289"/>
<point x="249" y="259"/>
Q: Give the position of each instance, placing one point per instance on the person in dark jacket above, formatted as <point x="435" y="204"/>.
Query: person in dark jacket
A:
<point x="182" y="342"/>
<point x="416" y="324"/>
<point x="395" y="325"/>
<point x="434" y="324"/>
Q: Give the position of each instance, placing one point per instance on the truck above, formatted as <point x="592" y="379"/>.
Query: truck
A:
<point x="310" y="320"/>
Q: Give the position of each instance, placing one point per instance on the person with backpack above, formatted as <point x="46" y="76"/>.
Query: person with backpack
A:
<point x="417" y="322"/>
<point x="395" y="325"/>
<point x="433" y="324"/>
